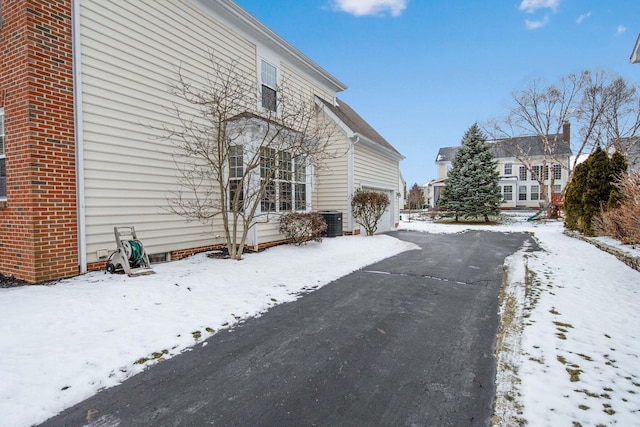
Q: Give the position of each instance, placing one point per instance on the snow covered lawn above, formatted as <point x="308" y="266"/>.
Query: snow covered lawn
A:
<point x="572" y="354"/>
<point x="61" y="344"/>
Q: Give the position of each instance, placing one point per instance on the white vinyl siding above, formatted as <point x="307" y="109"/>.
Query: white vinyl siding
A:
<point x="373" y="170"/>
<point x="129" y="53"/>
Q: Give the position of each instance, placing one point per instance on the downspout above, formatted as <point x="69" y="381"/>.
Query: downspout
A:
<point x="351" y="179"/>
<point x="79" y="132"/>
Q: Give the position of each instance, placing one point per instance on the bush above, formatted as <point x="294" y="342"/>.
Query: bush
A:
<point x="300" y="228"/>
<point x="368" y="207"/>
<point x="623" y="222"/>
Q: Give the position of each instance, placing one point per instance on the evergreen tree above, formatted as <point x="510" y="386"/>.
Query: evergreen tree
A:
<point x="597" y="189"/>
<point x="619" y="166"/>
<point x="573" y="197"/>
<point x="592" y="189"/>
<point x="472" y="188"/>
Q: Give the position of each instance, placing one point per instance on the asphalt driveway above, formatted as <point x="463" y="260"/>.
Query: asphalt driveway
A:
<point x="406" y="341"/>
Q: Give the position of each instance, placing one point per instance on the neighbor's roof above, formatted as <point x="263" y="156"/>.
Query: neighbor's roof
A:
<point x="635" y="54"/>
<point x="357" y="124"/>
<point x="502" y="148"/>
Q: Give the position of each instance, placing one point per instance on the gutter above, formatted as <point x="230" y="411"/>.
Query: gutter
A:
<point x="79" y="132"/>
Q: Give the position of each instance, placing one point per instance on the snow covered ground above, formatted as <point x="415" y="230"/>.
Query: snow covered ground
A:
<point x="572" y="355"/>
<point x="575" y="359"/>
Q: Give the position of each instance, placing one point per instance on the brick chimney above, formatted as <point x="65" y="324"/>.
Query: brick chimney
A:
<point x="566" y="132"/>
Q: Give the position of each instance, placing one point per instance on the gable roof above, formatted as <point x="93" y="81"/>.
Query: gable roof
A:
<point x="502" y="148"/>
<point x="358" y="126"/>
<point x="635" y="54"/>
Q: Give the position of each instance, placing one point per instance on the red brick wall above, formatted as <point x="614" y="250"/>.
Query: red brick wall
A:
<point x="38" y="223"/>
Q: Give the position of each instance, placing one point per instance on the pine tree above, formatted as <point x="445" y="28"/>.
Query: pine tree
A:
<point x="619" y="166"/>
<point x="573" y="197"/>
<point x="472" y="188"/>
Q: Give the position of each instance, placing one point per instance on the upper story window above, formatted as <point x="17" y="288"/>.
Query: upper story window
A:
<point x="268" y="85"/>
<point x="523" y="173"/>
<point x="3" y="169"/>
<point x="508" y="169"/>
<point x="557" y="172"/>
<point x="536" y="173"/>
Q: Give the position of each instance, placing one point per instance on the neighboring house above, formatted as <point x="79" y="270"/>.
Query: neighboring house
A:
<point x="371" y="163"/>
<point x="80" y="83"/>
<point x="517" y="183"/>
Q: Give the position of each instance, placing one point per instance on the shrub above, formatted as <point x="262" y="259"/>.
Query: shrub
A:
<point x="623" y="222"/>
<point x="368" y="207"/>
<point x="300" y="228"/>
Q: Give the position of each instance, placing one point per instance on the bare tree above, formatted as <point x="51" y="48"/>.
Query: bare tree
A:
<point x="415" y="199"/>
<point x="621" y="117"/>
<point x="242" y="153"/>
<point x="541" y="111"/>
<point x="601" y="106"/>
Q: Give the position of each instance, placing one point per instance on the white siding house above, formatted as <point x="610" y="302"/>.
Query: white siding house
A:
<point x="518" y="184"/>
<point x="127" y="52"/>
<point x="371" y="163"/>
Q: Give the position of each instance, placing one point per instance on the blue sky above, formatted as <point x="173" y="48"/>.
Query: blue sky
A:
<point x="422" y="71"/>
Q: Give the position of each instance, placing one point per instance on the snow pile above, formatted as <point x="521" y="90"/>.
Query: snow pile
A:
<point x="61" y="344"/>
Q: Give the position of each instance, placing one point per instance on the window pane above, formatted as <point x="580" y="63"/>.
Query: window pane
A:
<point x="507" y="169"/>
<point x="301" y="171"/>
<point x="301" y="197"/>
<point x="268" y="98"/>
<point x="268" y="202"/>
<point x="285" y="196"/>
<point x="269" y="75"/>
<point x="267" y="162"/>
<point x="285" y="166"/>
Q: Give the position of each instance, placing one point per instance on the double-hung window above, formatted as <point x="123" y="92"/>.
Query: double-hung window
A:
<point x="523" y="173"/>
<point x="3" y="169"/>
<point x="300" y="184"/>
<point x="236" y="172"/>
<point x="557" y="172"/>
<point x="535" y="192"/>
<point x="508" y="169"/>
<point x="536" y="173"/>
<point x="267" y="179"/>
<point x="522" y="192"/>
<point x="507" y="192"/>
<point x="269" y="85"/>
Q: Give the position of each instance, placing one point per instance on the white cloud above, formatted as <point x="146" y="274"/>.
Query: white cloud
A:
<point x="583" y="17"/>
<point x="370" y="7"/>
<point x="621" y="29"/>
<point x="532" y="25"/>
<point x="531" y="6"/>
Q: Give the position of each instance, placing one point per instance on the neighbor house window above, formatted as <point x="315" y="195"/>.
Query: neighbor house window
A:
<point x="522" y="192"/>
<point x="557" y="188"/>
<point x="507" y="192"/>
<point x="546" y="172"/>
<point x="536" y="173"/>
<point x="3" y="169"/>
<point x="557" y="172"/>
<point x="269" y="85"/>
<point x="523" y="173"/>
<point x="508" y="169"/>
<point x="535" y="192"/>
<point x="236" y="170"/>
